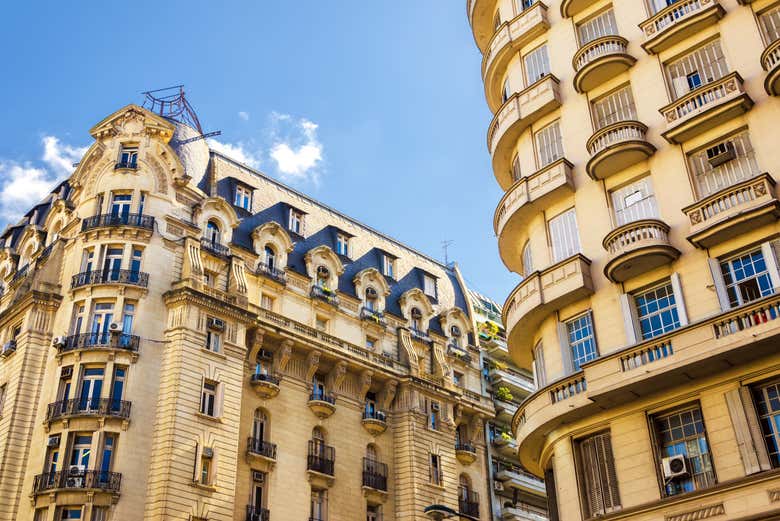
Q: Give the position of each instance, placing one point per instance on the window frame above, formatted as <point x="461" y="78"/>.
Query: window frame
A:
<point x="576" y="362"/>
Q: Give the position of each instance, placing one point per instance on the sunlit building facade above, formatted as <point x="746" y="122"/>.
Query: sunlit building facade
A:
<point x="185" y="338"/>
<point x="635" y="143"/>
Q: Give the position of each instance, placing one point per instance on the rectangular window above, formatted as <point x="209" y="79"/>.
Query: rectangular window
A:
<point x="539" y="370"/>
<point x="370" y="343"/>
<point x="319" y="505"/>
<point x="2" y="397"/>
<point x="70" y="513"/>
<point x="99" y="513"/>
<point x="429" y="286"/>
<point x="321" y="324"/>
<point x="602" y="25"/>
<point x="682" y="433"/>
<point x="770" y="24"/>
<point x="700" y="67"/>
<point x="537" y="65"/>
<point x="296" y="221"/>
<point x="656" y="310"/>
<point x="373" y="512"/>
<point x="243" y="198"/>
<point x="128" y="157"/>
<point x="457" y="378"/>
<point x="613" y="108"/>
<point x="435" y="470"/>
<point x="342" y="245"/>
<point x="433" y="416"/>
<point x="267" y="302"/>
<point x="564" y="235"/>
<point x="746" y="278"/>
<point x="582" y="340"/>
<point x="208" y="399"/>
<point x="634" y="202"/>
<point x="388" y="268"/>
<point x="213" y="341"/>
<point x="723" y="164"/>
<point x="205" y="468"/>
<point x="516" y="173"/>
<point x="767" y="400"/>
<point x="596" y="469"/>
<point x="506" y="92"/>
<point x="549" y="145"/>
<point x="41" y="514"/>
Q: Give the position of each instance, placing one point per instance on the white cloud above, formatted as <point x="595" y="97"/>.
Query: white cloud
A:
<point x="237" y="151"/>
<point x="244" y="115"/>
<point x="23" y="185"/>
<point x="299" y="153"/>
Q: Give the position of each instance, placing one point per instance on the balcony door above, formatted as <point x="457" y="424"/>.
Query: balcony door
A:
<point x="258" y="497"/>
<point x="118" y="388"/>
<point x="81" y="450"/>
<point x="101" y="320"/>
<point x="112" y="263"/>
<point x="120" y="206"/>
<point x="259" y="425"/>
<point x="91" y="387"/>
<point x="106" y="458"/>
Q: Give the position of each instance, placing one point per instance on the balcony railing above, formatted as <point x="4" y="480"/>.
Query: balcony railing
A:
<point x="630" y="247"/>
<point x="374" y="474"/>
<point x="254" y="513"/>
<point x="264" y="377"/>
<point x="374" y="415"/>
<point x="107" y="219"/>
<point x="420" y="335"/>
<point x="76" y="479"/>
<point x="373" y="315"/>
<point x="677" y="21"/>
<point x="322" y="396"/>
<point x="215" y="248"/>
<point x="325" y="295"/>
<point x="598" y="48"/>
<point x="465" y="447"/>
<point x="321" y="458"/>
<point x="270" y="272"/>
<point x="459" y="353"/>
<point x="20" y="274"/>
<point x="130" y="277"/>
<point x="103" y="340"/>
<point x="261" y="447"/>
<point x="129" y="165"/>
<point x="101" y="407"/>
<point x="468" y="503"/>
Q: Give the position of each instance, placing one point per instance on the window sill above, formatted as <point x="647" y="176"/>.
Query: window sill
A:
<point x="215" y="419"/>
<point x="217" y="354"/>
<point x="202" y="486"/>
<point x="434" y="486"/>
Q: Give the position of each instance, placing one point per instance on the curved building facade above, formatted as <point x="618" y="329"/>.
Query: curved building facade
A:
<point x="634" y="142"/>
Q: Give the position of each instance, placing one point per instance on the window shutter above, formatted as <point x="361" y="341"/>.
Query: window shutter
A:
<point x="739" y="421"/>
<point x="563" y="338"/>
<point x="682" y="314"/>
<point x="720" y="286"/>
<point x="608" y="477"/>
<point x="592" y="497"/>
<point x="552" y="495"/>
<point x="755" y="428"/>
<point x="629" y="317"/>
<point x="771" y="265"/>
<point x="196" y="466"/>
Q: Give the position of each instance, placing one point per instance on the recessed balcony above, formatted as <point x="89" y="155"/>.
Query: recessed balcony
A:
<point x="265" y="385"/>
<point x="519" y="384"/>
<point x="466" y="453"/>
<point x="76" y="479"/>
<point x="705" y="107"/>
<point x="636" y="248"/>
<point x="507" y="447"/>
<point x="733" y="211"/>
<point x="514" y="476"/>
<point x="133" y="220"/>
<point x="617" y="147"/>
<point x="375" y="422"/>
<point x="121" y="277"/>
<point x="770" y="61"/>
<point x="322" y="404"/>
<point x="537" y="296"/>
<point x="599" y="61"/>
<point x="528" y="196"/>
<point x="506" y="43"/>
<point x="523" y="513"/>
<point x="679" y="21"/>
<point x="519" y="112"/>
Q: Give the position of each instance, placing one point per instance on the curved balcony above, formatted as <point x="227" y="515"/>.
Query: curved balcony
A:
<point x="77" y="479"/>
<point x="133" y="220"/>
<point x="266" y="385"/>
<point x="519" y="112"/>
<point x="770" y="61"/>
<point x="733" y="211"/>
<point x="526" y="197"/>
<point x="678" y="21"/>
<point x="506" y="43"/>
<point x="599" y="61"/>
<point x="637" y="247"/>
<point x="89" y="341"/>
<point x="617" y="147"/>
<point x="375" y="422"/>
<point x="537" y="296"/>
<point x="97" y="277"/>
<point x="704" y="108"/>
<point x="88" y="408"/>
<point x="322" y="404"/>
<point x="466" y="453"/>
<point x="481" y="16"/>
<point x="570" y="8"/>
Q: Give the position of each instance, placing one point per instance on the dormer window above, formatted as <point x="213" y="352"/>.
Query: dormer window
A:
<point x="429" y="286"/>
<point x="296" y="221"/>
<point x="342" y="244"/>
<point x="243" y="198"/>
<point x="128" y="157"/>
<point x="212" y="233"/>
<point x="270" y="258"/>
<point x="455" y="335"/>
<point x="388" y="266"/>
<point x="323" y="275"/>
<point x="416" y="319"/>
<point x="372" y="297"/>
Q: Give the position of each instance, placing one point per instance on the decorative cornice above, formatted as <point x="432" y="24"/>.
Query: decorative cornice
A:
<point x="700" y="513"/>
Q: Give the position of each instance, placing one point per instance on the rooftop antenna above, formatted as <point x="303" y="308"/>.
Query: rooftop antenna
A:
<point x="446" y="246"/>
<point x="171" y="103"/>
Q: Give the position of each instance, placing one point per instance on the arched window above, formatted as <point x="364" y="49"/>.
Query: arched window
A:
<point x="461" y="436"/>
<point x="371" y="299"/>
<point x="270" y="257"/>
<point x="212" y="233"/>
<point x="323" y="275"/>
<point x="371" y="452"/>
<point x="464" y="487"/>
<point x="416" y="319"/>
<point x="260" y="425"/>
<point x="318" y="441"/>
<point x="528" y="263"/>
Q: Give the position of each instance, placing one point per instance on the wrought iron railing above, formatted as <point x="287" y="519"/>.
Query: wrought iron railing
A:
<point x="468" y="503"/>
<point x="105" y="407"/>
<point x="321" y="457"/>
<point x="374" y="415"/>
<point x="218" y="249"/>
<point x="465" y="447"/>
<point x="136" y="220"/>
<point x="270" y="378"/>
<point x="126" y="164"/>
<point x="100" y="341"/>
<point x="373" y="316"/>
<point x="261" y="447"/>
<point x="322" y="396"/>
<point x="20" y="274"/>
<point x="272" y="273"/>
<point x="254" y="513"/>
<point x="324" y="294"/>
<point x="374" y="474"/>
<point x="131" y="277"/>
<point x="77" y="479"/>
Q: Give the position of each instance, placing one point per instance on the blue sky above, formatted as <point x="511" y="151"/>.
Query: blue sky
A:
<point x="374" y="108"/>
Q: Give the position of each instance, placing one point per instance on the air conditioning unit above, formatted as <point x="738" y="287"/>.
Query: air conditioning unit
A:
<point x="59" y="341"/>
<point x="498" y="486"/>
<point x="67" y="372"/>
<point x="674" y="466"/>
<point x="75" y="477"/>
<point x="53" y="441"/>
<point x="721" y="153"/>
<point x="115" y="328"/>
<point x="208" y="452"/>
<point x="216" y="324"/>
<point x="258" y="477"/>
<point x="8" y="348"/>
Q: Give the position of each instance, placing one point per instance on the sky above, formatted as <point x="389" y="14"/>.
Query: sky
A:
<point x="374" y="108"/>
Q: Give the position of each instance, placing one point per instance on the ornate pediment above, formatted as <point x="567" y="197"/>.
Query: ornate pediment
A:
<point x="133" y="120"/>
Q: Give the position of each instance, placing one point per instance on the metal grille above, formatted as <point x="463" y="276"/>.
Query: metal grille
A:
<point x="601" y="25"/>
<point x="710" y="179"/>
<point x="683" y="433"/>
<point x="618" y="106"/>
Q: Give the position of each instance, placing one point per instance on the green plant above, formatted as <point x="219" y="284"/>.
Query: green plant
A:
<point x="504" y="394"/>
<point x="506" y="436"/>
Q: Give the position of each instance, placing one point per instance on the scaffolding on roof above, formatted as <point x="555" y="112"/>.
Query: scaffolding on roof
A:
<point x="171" y="103"/>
